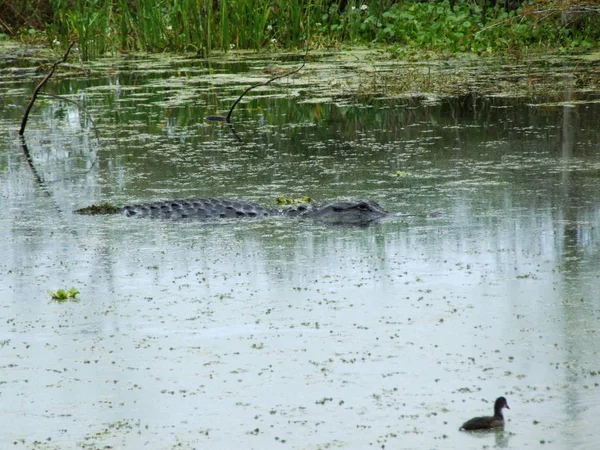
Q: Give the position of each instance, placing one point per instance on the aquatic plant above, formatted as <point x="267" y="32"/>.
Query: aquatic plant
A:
<point x="293" y="200"/>
<point x="62" y="295"/>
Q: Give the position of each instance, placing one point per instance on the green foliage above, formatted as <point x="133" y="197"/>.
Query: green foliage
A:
<point x="469" y="28"/>
<point x="409" y="26"/>
<point x="62" y="296"/>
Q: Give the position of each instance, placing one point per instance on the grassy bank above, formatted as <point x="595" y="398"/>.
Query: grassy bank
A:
<point x="482" y="26"/>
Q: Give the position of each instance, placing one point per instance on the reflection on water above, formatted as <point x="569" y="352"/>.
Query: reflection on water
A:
<point x="249" y="334"/>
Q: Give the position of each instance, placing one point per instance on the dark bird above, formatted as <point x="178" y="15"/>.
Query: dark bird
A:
<point x="488" y="422"/>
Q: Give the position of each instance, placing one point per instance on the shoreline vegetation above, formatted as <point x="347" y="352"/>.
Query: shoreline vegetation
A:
<point x="406" y="28"/>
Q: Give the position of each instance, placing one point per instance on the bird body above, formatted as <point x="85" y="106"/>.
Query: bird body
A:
<point x="488" y="422"/>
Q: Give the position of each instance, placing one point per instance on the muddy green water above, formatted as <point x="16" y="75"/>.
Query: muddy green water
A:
<point x="284" y="333"/>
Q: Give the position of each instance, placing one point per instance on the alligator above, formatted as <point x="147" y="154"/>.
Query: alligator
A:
<point x="357" y="212"/>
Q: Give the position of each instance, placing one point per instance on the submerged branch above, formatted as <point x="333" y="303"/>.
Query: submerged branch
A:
<point x="40" y="86"/>
<point x="29" y="160"/>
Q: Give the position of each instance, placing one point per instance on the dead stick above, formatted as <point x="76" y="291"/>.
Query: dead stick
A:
<point x="264" y="83"/>
<point x="228" y="118"/>
<point x="39" y="86"/>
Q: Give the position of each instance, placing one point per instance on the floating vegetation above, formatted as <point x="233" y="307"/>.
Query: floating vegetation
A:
<point x="362" y="76"/>
<point x="63" y="295"/>
<point x="293" y="200"/>
<point x="410" y="80"/>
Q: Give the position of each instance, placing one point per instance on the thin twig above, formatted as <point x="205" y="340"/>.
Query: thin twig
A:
<point x="79" y="105"/>
<point x="264" y="83"/>
<point x="6" y="26"/>
<point x="39" y="86"/>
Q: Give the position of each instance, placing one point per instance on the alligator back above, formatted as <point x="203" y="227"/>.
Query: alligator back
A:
<point x="350" y="212"/>
<point x="194" y="208"/>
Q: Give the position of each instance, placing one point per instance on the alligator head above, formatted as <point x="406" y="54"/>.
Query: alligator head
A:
<point x="355" y="212"/>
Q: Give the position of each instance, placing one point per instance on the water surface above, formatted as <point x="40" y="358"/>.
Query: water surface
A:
<point x="285" y="333"/>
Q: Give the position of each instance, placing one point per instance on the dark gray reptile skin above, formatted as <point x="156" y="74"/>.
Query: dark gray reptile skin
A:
<point x="355" y="211"/>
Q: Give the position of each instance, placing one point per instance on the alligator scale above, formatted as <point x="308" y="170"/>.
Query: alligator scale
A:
<point x="343" y="212"/>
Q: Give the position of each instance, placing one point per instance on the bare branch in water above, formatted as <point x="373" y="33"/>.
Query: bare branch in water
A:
<point x="264" y="83"/>
<point x="40" y="86"/>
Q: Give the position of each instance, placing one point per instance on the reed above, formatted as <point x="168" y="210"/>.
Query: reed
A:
<point x="85" y="21"/>
<point x="184" y="25"/>
<point x="203" y="25"/>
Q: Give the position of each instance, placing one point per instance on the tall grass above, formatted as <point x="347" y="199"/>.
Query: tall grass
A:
<point x="203" y="25"/>
<point x="184" y="25"/>
<point x="82" y="20"/>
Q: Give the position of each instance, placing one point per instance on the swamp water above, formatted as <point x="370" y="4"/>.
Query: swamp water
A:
<point x="284" y="333"/>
